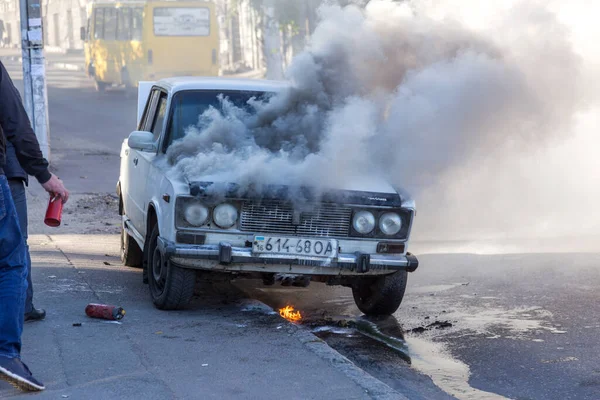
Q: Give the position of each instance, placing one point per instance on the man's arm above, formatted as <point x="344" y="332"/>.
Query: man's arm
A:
<point x="17" y="129"/>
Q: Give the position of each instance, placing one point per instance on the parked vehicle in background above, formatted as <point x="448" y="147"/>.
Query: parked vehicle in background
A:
<point x="131" y="41"/>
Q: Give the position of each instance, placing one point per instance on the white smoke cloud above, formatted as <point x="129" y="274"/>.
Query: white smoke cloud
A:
<point x="460" y="115"/>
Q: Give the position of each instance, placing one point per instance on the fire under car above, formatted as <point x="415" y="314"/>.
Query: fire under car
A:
<point x="175" y="229"/>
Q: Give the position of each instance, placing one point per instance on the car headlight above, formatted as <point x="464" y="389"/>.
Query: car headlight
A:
<point x="363" y="222"/>
<point x="390" y="223"/>
<point x="225" y="215"/>
<point x="196" y="214"/>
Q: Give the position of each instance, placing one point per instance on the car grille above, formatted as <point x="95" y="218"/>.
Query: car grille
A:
<point x="277" y="217"/>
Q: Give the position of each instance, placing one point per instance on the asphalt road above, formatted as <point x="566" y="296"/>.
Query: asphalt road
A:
<point x="520" y="323"/>
<point x="521" y="326"/>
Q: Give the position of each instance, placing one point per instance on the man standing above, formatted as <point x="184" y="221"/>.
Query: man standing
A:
<point x="16" y="128"/>
<point x="17" y="179"/>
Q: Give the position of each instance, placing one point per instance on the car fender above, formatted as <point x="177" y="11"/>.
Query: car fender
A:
<point x="163" y="199"/>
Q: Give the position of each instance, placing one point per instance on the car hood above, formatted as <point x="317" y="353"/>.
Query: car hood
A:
<point x="373" y="192"/>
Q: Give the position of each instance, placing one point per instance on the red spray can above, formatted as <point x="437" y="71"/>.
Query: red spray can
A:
<point x="54" y="212"/>
<point x="104" y="311"/>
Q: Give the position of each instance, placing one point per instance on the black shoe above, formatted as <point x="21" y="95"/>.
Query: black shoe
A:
<point x="36" y="314"/>
<point x="15" y="372"/>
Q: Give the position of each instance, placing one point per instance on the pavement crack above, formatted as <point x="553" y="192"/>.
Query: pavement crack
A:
<point x="148" y="366"/>
<point x="80" y="276"/>
<point x="61" y="357"/>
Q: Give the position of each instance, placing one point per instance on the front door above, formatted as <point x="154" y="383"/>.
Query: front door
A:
<point x="139" y="162"/>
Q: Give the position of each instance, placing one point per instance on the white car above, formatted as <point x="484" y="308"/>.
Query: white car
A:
<point x="175" y="229"/>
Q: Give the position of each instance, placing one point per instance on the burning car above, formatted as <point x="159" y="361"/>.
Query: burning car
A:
<point x="175" y="228"/>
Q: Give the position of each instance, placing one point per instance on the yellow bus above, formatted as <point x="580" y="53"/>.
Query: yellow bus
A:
<point x="131" y="41"/>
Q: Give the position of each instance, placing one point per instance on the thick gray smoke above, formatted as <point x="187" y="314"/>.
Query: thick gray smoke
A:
<point x="431" y="106"/>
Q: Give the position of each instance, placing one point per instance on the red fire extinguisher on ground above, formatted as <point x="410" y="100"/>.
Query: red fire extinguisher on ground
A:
<point x="104" y="311"/>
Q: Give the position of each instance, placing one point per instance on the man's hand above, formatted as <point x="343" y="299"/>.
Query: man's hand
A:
<point x="55" y="187"/>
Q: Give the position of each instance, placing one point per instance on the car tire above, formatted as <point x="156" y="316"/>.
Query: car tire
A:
<point x="171" y="287"/>
<point x="382" y="295"/>
<point x="100" y="86"/>
<point x="129" y="88"/>
<point x="131" y="254"/>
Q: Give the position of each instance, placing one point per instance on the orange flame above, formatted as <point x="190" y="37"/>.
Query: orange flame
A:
<point x="288" y="313"/>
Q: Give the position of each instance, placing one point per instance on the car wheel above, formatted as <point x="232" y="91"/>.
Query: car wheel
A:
<point x="131" y="254"/>
<point x="100" y="86"/>
<point x="382" y="295"/>
<point x="129" y="88"/>
<point x="171" y="287"/>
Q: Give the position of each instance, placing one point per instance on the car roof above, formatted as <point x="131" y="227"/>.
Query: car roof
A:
<point x="219" y="83"/>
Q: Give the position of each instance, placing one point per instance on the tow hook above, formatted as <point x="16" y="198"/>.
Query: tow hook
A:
<point x="363" y="262"/>
<point x="225" y="253"/>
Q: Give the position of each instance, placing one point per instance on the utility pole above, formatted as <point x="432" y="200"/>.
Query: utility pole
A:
<point x="34" y="71"/>
<point x="272" y="42"/>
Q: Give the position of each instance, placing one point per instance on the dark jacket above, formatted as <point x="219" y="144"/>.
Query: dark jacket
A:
<point x="12" y="168"/>
<point x="17" y="130"/>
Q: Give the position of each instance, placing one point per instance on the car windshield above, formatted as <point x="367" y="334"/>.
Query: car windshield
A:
<point x="189" y="105"/>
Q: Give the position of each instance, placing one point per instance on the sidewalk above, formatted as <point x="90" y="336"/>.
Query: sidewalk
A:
<point x="69" y="61"/>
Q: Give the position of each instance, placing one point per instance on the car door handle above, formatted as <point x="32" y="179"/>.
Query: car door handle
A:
<point x="135" y="161"/>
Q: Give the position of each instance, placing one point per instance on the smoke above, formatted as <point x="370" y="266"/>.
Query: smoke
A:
<point x="468" y="119"/>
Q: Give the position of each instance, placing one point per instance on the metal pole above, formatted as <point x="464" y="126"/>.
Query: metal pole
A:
<point x="34" y="71"/>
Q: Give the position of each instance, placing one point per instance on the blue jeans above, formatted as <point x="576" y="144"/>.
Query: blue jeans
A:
<point x="17" y="187"/>
<point x="13" y="275"/>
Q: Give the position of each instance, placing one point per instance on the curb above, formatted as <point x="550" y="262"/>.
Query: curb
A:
<point x="58" y="65"/>
<point x="66" y="66"/>
<point x="371" y="385"/>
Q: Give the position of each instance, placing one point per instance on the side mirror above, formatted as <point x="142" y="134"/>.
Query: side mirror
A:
<point x="142" y="140"/>
<point x="82" y="33"/>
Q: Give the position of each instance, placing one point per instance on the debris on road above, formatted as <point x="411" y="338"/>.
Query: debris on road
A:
<point x="76" y="323"/>
<point x="97" y="212"/>
<point x="433" y="325"/>
<point x="104" y="311"/>
<point x="560" y="360"/>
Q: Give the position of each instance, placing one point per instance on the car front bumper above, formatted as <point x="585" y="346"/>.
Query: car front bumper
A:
<point x="225" y="257"/>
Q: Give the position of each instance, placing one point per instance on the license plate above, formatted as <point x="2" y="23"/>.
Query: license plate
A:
<point x="295" y="246"/>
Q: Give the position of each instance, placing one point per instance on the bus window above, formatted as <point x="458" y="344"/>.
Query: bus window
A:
<point x="136" y="23"/>
<point x="124" y="24"/>
<point x="99" y="23"/>
<point x="110" y="24"/>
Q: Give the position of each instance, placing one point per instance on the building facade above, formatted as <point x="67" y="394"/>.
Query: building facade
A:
<point x="62" y="21"/>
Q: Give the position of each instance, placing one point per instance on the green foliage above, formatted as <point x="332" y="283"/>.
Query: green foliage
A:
<point x="288" y="13"/>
